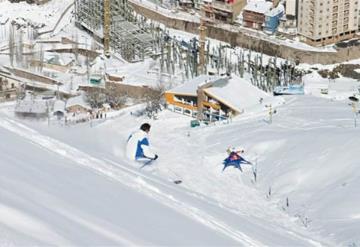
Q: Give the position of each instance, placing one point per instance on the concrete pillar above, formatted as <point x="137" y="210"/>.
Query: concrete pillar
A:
<point x="201" y="97"/>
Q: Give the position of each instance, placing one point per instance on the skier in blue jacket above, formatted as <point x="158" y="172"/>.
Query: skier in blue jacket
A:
<point x="235" y="159"/>
<point x="138" y="147"/>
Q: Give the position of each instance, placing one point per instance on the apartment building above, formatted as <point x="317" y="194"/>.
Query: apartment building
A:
<point x="322" y="22"/>
<point x="254" y="14"/>
<point x="223" y="10"/>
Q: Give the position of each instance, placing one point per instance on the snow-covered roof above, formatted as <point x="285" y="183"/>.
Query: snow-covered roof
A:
<point x="59" y="105"/>
<point x="57" y="59"/>
<point x="78" y="100"/>
<point x="259" y="6"/>
<point x="106" y="106"/>
<point x="276" y="11"/>
<point x="190" y="87"/>
<point x="237" y="93"/>
<point x="31" y="106"/>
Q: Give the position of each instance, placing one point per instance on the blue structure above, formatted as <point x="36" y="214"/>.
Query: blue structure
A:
<point x="272" y="19"/>
<point x="297" y="89"/>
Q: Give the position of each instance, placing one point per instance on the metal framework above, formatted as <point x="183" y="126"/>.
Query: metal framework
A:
<point x="114" y="22"/>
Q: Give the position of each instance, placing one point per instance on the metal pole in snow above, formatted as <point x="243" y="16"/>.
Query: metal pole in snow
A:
<point x="270" y="112"/>
<point x="355" y="120"/>
<point x="353" y="104"/>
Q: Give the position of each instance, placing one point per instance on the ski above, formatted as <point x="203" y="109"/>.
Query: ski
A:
<point x="147" y="163"/>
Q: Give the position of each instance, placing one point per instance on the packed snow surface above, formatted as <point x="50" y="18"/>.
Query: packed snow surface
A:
<point x="72" y="185"/>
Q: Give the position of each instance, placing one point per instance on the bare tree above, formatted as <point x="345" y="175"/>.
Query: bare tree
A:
<point x="95" y="98"/>
<point x="154" y="101"/>
<point x="115" y="97"/>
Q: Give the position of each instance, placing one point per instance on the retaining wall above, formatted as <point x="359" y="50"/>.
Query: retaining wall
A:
<point x="236" y="38"/>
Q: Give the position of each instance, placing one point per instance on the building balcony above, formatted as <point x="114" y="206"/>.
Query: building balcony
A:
<point x="214" y="105"/>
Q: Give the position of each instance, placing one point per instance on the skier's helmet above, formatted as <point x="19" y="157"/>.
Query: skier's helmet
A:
<point x="145" y="127"/>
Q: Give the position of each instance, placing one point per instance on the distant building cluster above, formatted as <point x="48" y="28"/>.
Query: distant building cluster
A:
<point x="316" y="22"/>
<point x="30" y="1"/>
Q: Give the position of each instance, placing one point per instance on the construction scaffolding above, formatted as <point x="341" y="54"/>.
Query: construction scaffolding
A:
<point x="90" y="15"/>
<point x="130" y="41"/>
<point x="115" y="23"/>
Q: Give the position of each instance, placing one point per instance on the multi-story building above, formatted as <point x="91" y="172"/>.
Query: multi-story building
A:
<point x="225" y="10"/>
<point x="322" y="22"/>
<point x="254" y="14"/>
<point x="291" y="12"/>
<point x="186" y="4"/>
<point x="288" y="22"/>
<point x="272" y="19"/>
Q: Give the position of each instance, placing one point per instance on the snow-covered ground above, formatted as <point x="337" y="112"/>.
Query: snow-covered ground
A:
<point x="76" y="187"/>
<point x="339" y="89"/>
<point x="73" y="186"/>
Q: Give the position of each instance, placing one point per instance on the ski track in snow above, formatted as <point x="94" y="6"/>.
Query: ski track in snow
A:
<point x="129" y="178"/>
<point x="27" y="224"/>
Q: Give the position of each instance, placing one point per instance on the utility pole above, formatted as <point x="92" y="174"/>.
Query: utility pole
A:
<point x="107" y="21"/>
<point x="207" y="16"/>
<point x="202" y="40"/>
<point x="353" y="106"/>
<point x="353" y="103"/>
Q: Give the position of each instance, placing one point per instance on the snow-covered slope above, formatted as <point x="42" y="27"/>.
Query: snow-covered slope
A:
<point x="54" y="194"/>
<point x="78" y="175"/>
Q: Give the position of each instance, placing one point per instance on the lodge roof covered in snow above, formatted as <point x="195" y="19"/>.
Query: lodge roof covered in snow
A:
<point x="233" y="91"/>
<point x="190" y="87"/>
<point x="237" y="93"/>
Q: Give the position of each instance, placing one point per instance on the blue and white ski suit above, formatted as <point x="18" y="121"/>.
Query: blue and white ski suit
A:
<point x="137" y="147"/>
